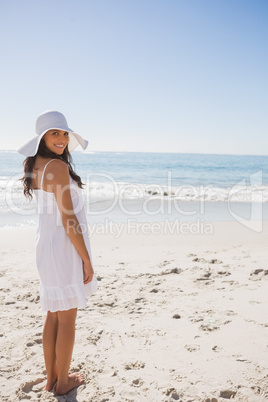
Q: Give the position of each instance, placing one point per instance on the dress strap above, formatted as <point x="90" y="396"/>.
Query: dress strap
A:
<point x="41" y="184"/>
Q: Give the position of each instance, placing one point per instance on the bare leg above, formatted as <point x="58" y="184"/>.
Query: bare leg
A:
<point x="64" y="350"/>
<point x="49" y="346"/>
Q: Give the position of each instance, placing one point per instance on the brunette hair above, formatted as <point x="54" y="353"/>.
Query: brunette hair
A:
<point x="46" y="153"/>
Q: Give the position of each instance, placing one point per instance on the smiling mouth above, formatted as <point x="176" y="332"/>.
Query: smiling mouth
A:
<point x="59" y="146"/>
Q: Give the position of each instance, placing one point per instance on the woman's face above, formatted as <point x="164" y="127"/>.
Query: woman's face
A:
<point x="56" y="140"/>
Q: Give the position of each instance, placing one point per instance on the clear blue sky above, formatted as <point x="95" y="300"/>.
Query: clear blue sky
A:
<point x="138" y="75"/>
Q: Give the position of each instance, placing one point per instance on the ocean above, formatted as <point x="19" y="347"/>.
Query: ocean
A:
<point x="122" y="186"/>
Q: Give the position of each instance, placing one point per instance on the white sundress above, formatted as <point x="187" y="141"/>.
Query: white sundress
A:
<point x="59" y="265"/>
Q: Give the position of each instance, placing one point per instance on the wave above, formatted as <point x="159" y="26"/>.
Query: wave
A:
<point x="238" y="193"/>
<point x="11" y="193"/>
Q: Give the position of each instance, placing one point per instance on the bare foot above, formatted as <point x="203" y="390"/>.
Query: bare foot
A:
<point x="74" y="380"/>
<point x="50" y="384"/>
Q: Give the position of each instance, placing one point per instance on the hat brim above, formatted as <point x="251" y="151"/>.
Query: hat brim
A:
<point x="30" y="148"/>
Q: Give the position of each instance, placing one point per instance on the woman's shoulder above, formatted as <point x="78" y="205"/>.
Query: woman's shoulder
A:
<point x="57" y="166"/>
<point x="42" y="162"/>
<point x="57" y="172"/>
<point x="57" y="163"/>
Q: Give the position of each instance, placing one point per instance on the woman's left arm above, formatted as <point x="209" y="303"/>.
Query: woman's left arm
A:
<point x="61" y="188"/>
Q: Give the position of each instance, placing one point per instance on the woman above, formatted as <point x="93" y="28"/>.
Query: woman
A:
<point x="63" y="254"/>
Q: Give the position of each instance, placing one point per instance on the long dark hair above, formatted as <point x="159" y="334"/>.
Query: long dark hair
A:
<point x="46" y="153"/>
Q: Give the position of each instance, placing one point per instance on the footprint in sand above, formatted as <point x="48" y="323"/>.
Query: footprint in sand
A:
<point x="258" y="274"/>
<point x="192" y="348"/>
<point x="206" y="276"/>
<point x="37" y="341"/>
<point x="216" y="348"/>
<point x="164" y="263"/>
<point x="34" y="385"/>
<point x="106" y="304"/>
<point x="229" y="312"/>
<point x="212" y="261"/>
<point x="209" y="327"/>
<point x="171" y="271"/>
<point x="227" y="394"/>
<point x="5" y="290"/>
<point x="137" y="382"/>
<point x="224" y="273"/>
<point x="172" y="393"/>
<point x="199" y="259"/>
<point x="95" y="337"/>
<point x="196" y="318"/>
<point x="8" y="302"/>
<point x="140" y="299"/>
<point x="215" y="261"/>
<point x="134" y="365"/>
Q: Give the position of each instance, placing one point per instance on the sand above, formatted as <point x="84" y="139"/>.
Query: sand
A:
<point x="177" y="316"/>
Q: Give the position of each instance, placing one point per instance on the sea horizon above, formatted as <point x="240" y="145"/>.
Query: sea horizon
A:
<point x="153" y="152"/>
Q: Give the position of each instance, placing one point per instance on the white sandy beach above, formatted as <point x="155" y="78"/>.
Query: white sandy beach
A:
<point x="176" y="317"/>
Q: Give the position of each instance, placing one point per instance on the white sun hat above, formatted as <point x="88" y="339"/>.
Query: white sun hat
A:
<point x="47" y="121"/>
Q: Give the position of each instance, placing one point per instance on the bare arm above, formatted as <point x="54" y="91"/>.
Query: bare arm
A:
<point x="61" y="189"/>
